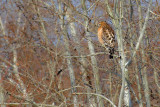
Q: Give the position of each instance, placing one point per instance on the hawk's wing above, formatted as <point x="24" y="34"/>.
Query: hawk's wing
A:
<point x="109" y="41"/>
<point x="108" y="37"/>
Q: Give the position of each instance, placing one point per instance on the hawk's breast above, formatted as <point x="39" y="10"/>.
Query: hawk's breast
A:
<point x="100" y="34"/>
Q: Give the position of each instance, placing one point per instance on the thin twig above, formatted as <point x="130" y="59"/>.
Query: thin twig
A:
<point x="93" y="5"/>
<point x="99" y="96"/>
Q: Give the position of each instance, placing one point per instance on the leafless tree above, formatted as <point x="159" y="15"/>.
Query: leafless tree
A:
<point x="50" y="54"/>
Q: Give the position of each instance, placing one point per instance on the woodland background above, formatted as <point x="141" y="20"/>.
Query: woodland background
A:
<point x="50" y="55"/>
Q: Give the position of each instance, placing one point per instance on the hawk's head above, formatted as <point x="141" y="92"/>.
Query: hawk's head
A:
<point x="102" y="24"/>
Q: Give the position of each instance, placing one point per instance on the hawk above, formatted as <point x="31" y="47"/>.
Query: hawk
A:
<point x="106" y="37"/>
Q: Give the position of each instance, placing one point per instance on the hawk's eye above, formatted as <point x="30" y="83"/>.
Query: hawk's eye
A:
<point x="99" y="24"/>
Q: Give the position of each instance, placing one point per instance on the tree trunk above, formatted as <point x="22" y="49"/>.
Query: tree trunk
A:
<point x="2" y="99"/>
<point x="93" y="59"/>
<point x="125" y="90"/>
<point x="69" y="60"/>
<point x="144" y="76"/>
<point x="80" y="50"/>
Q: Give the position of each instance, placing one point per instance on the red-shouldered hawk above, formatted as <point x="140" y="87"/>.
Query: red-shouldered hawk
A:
<point x="106" y="37"/>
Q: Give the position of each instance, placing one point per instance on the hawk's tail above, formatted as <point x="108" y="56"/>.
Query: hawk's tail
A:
<point x="111" y="52"/>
